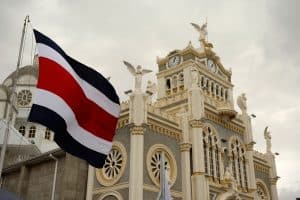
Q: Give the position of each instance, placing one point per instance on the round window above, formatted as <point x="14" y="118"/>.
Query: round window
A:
<point x="114" y="165"/>
<point x="154" y="162"/>
<point x="24" y="97"/>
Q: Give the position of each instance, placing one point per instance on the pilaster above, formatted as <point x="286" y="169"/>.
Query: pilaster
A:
<point x="136" y="163"/>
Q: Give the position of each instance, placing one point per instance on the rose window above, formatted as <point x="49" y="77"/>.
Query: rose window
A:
<point x="154" y="163"/>
<point x="24" y="97"/>
<point x="114" y="165"/>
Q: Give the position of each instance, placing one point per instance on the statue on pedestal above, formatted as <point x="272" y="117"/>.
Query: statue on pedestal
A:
<point x="138" y="73"/>
<point x="267" y="136"/>
<point x="242" y="103"/>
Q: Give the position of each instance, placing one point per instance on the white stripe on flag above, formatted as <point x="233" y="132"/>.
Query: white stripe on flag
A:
<point x="92" y="93"/>
<point x="55" y="103"/>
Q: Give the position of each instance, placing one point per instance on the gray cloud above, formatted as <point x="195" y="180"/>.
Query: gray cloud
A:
<point x="258" y="39"/>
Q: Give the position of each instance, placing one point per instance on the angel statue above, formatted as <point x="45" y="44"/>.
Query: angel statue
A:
<point x="202" y="30"/>
<point x="138" y="74"/>
<point x="242" y="102"/>
<point x="267" y="136"/>
<point x="151" y="90"/>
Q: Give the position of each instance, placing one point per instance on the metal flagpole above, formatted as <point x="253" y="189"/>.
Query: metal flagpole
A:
<point x="12" y="98"/>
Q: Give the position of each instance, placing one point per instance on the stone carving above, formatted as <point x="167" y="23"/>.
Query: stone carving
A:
<point x="138" y="73"/>
<point x="202" y="30"/>
<point x="242" y="103"/>
<point x="267" y="136"/>
<point x="150" y="90"/>
<point x="195" y="77"/>
<point x="228" y="178"/>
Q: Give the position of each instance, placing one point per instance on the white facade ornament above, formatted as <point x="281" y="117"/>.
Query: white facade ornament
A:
<point x="151" y="90"/>
<point x="267" y="136"/>
<point x="242" y="103"/>
<point x="195" y="77"/>
<point x="202" y="31"/>
<point x="228" y="178"/>
<point x="138" y="73"/>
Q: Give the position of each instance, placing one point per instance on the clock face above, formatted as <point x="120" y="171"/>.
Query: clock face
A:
<point x="175" y="60"/>
<point x="211" y="66"/>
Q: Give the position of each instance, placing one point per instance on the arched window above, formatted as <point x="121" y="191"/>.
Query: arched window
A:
<point x="168" y="83"/>
<point x="202" y="81"/>
<point x="212" y="153"/>
<point x="212" y="86"/>
<point x="22" y="130"/>
<point x="47" y="134"/>
<point x="222" y="92"/>
<point x="217" y="90"/>
<point x="226" y="94"/>
<point x="238" y="163"/>
<point x="32" y="131"/>
<point x="181" y="81"/>
<point x="207" y="85"/>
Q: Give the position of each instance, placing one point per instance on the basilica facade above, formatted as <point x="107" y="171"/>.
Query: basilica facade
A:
<point x="208" y="145"/>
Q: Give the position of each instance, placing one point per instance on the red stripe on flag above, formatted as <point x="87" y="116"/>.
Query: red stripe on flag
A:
<point x="90" y="116"/>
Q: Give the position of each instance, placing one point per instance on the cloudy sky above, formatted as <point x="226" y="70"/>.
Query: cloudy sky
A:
<point x="258" y="39"/>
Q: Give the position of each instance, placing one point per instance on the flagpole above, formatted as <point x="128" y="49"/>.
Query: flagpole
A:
<point x="12" y="98"/>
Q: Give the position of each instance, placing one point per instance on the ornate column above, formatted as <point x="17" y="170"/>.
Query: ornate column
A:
<point x="196" y="112"/>
<point x="137" y="118"/>
<point x="136" y="163"/>
<point x="221" y="164"/>
<point x="185" y="147"/>
<point x="214" y="162"/>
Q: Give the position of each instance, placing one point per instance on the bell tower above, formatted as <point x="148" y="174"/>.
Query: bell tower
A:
<point x="174" y="79"/>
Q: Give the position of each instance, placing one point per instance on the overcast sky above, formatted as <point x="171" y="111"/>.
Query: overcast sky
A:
<point x="258" y="39"/>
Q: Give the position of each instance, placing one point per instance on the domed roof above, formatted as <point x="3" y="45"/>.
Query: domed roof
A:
<point x="26" y="70"/>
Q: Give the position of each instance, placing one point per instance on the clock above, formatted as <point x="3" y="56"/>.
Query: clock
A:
<point x="175" y="60"/>
<point x="211" y="66"/>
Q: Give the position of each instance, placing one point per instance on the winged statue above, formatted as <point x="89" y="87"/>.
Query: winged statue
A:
<point x="202" y="30"/>
<point x="138" y="73"/>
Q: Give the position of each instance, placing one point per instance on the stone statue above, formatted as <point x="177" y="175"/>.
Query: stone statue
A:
<point x="202" y="30"/>
<point x="230" y="179"/>
<point x="151" y="90"/>
<point x="267" y="136"/>
<point x="195" y="77"/>
<point x="242" y="103"/>
<point x="138" y="74"/>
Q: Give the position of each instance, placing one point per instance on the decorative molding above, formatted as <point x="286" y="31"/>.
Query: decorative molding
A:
<point x="261" y="168"/>
<point x="196" y="123"/>
<point x="226" y="124"/>
<point x="111" y="188"/>
<point x="185" y="147"/>
<point x="137" y="130"/>
<point x="153" y="188"/>
<point x="111" y="193"/>
<point x="198" y="173"/>
<point x="165" y="130"/>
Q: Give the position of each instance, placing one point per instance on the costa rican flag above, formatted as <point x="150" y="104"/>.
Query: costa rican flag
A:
<point x="74" y="101"/>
